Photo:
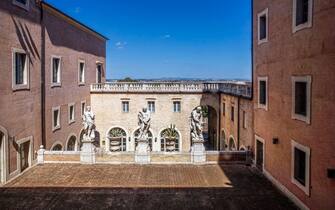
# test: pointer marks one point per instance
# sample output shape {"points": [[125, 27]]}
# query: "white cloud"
{"points": [[120, 45], [167, 36]]}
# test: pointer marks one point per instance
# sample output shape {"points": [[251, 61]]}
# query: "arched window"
{"points": [[117, 139], [150, 137], [71, 144], [231, 145], [57, 147], [169, 143]]}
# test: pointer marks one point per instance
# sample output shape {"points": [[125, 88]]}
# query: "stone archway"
{"points": [[231, 144], [71, 144], [210, 128]]}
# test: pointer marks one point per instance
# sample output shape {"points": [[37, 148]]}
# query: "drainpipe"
{"points": [[42, 76]]}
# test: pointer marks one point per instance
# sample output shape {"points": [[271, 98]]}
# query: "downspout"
{"points": [[42, 76]]}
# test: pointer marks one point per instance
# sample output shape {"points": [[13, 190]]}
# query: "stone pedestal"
{"points": [[142, 153], [198, 152], [40, 155], [87, 152]]}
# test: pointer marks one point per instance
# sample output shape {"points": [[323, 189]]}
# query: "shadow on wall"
{"points": [[66, 35]]}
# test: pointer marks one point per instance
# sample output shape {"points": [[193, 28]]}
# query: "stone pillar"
{"points": [[142, 152], [87, 152], [198, 152], [40, 155]]}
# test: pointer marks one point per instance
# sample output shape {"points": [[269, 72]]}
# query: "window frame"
{"points": [[232, 113], [79, 72], [82, 110], [308, 24], [174, 104], [23, 6], [307, 150], [308, 80], [58, 126], [69, 113], [122, 106], [25, 86], [98, 63], [263, 106], [244, 118], [154, 106], [265, 13], [223, 108], [56, 84]]}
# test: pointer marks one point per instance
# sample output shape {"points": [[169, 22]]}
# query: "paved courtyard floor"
{"points": [[74, 186]]}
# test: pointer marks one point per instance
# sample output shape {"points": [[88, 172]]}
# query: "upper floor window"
{"points": [[81, 72], [71, 113], [176, 106], [232, 113], [125, 106], [22, 3], [151, 106], [55, 118], [302, 14], [83, 107], [56, 71], [301, 90], [300, 166], [263, 93], [20, 69], [224, 109], [99, 73], [244, 118], [263, 26]]}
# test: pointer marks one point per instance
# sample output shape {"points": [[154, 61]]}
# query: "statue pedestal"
{"points": [[87, 152], [142, 153], [198, 152]]}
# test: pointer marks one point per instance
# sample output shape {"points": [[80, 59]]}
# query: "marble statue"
{"points": [[144, 118], [196, 125], [88, 122]]}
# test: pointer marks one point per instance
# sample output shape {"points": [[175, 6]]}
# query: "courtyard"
{"points": [[66, 186]]}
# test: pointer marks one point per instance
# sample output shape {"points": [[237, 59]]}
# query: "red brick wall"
{"points": [[307, 52]]}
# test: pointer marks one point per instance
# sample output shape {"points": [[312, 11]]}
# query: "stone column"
{"points": [[40, 155], [198, 152], [142, 152], [87, 152]]}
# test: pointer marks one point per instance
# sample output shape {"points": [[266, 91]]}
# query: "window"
{"points": [[99, 73], [232, 113], [176, 106], [117, 140], [56, 71], [263, 26], [300, 166], [22, 3], [55, 118], [224, 109], [262, 93], [81, 72], [151, 106], [125, 106], [71, 113], [20, 69], [302, 14], [83, 106], [301, 88], [169, 144], [244, 118]]}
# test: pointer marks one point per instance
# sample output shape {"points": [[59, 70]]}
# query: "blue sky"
{"points": [[170, 38]]}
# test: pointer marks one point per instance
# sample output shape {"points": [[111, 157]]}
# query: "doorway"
{"points": [[259, 154], [24, 155]]}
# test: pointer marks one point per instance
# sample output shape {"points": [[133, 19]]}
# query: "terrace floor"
{"points": [[74, 186]]}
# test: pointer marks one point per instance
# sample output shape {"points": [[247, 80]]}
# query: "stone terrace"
{"points": [[64, 186]]}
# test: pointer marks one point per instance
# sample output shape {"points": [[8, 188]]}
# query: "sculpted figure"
{"points": [[196, 125], [88, 122], [144, 118]]}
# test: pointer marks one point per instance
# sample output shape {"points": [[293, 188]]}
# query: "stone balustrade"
{"points": [[236, 88]]}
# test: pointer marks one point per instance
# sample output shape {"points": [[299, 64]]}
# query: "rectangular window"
{"points": [[232, 113], [20, 69], [301, 87], [302, 14], [244, 118], [55, 118], [224, 109], [263, 26], [56, 70], [83, 106], [99, 73], [151, 106], [176, 106], [71, 113], [22, 3], [125, 106], [81, 72], [262, 92], [300, 166]]}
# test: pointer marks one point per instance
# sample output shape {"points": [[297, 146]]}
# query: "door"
{"points": [[259, 154], [24, 155]]}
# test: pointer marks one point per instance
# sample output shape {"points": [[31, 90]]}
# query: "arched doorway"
{"points": [[71, 144], [210, 127], [169, 146], [150, 138], [231, 144], [117, 140]]}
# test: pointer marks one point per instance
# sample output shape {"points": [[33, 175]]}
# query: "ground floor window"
{"points": [[231, 144], [57, 147], [71, 144], [117, 140], [169, 140]]}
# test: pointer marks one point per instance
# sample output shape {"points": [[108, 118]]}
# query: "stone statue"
{"points": [[88, 122], [196, 125], [144, 118]]}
